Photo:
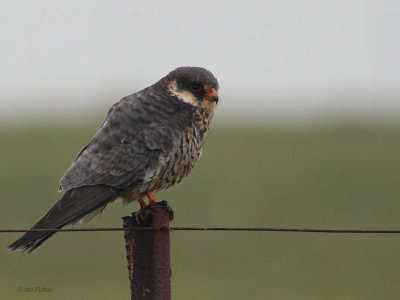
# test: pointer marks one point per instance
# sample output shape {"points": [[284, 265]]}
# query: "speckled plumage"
{"points": [[145, 140], [149, 141]]}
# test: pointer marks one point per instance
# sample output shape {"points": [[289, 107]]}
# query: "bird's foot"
{"points": [[151, 198], [144, 213]]}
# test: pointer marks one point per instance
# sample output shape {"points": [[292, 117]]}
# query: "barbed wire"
{"points": [[247, 229]]}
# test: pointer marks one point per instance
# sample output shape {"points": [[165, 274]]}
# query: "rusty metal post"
{"points": [[148, 253]]}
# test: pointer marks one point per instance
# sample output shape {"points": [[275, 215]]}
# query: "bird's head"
{"points": [[194, 85]]}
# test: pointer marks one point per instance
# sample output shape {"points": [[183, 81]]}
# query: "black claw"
{"points": [[144, 214]]}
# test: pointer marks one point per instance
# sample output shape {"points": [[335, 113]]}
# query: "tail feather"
{"points": [[72, 207]]}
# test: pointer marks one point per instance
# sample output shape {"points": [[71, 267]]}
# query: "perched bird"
{"points": [[149, 141]]}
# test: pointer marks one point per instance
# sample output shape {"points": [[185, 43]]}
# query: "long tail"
{"points": [[72, 207]]}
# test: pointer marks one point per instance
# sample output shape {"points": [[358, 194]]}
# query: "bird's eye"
{"points": [[195, 87]]}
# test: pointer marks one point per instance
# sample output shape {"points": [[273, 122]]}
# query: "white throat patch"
{"points": [[185, 96]]}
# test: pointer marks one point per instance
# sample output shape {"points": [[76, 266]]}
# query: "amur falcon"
{"points": [[149, 141]]}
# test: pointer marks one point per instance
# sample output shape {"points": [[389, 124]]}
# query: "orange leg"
{"points": [[151, 198], [142, 203]]}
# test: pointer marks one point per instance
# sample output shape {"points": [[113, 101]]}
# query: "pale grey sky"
{"points": [[279, 61]]}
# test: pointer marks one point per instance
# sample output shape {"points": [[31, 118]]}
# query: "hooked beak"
{"points": [[212, 95]]}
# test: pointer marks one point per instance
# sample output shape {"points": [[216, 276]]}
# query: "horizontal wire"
{"points": [[254, 229]]}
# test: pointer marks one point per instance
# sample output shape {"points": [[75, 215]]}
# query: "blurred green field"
{"points": [[328, 178]]}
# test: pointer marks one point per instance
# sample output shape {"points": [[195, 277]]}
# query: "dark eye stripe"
{"points": [[195, 87]]}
